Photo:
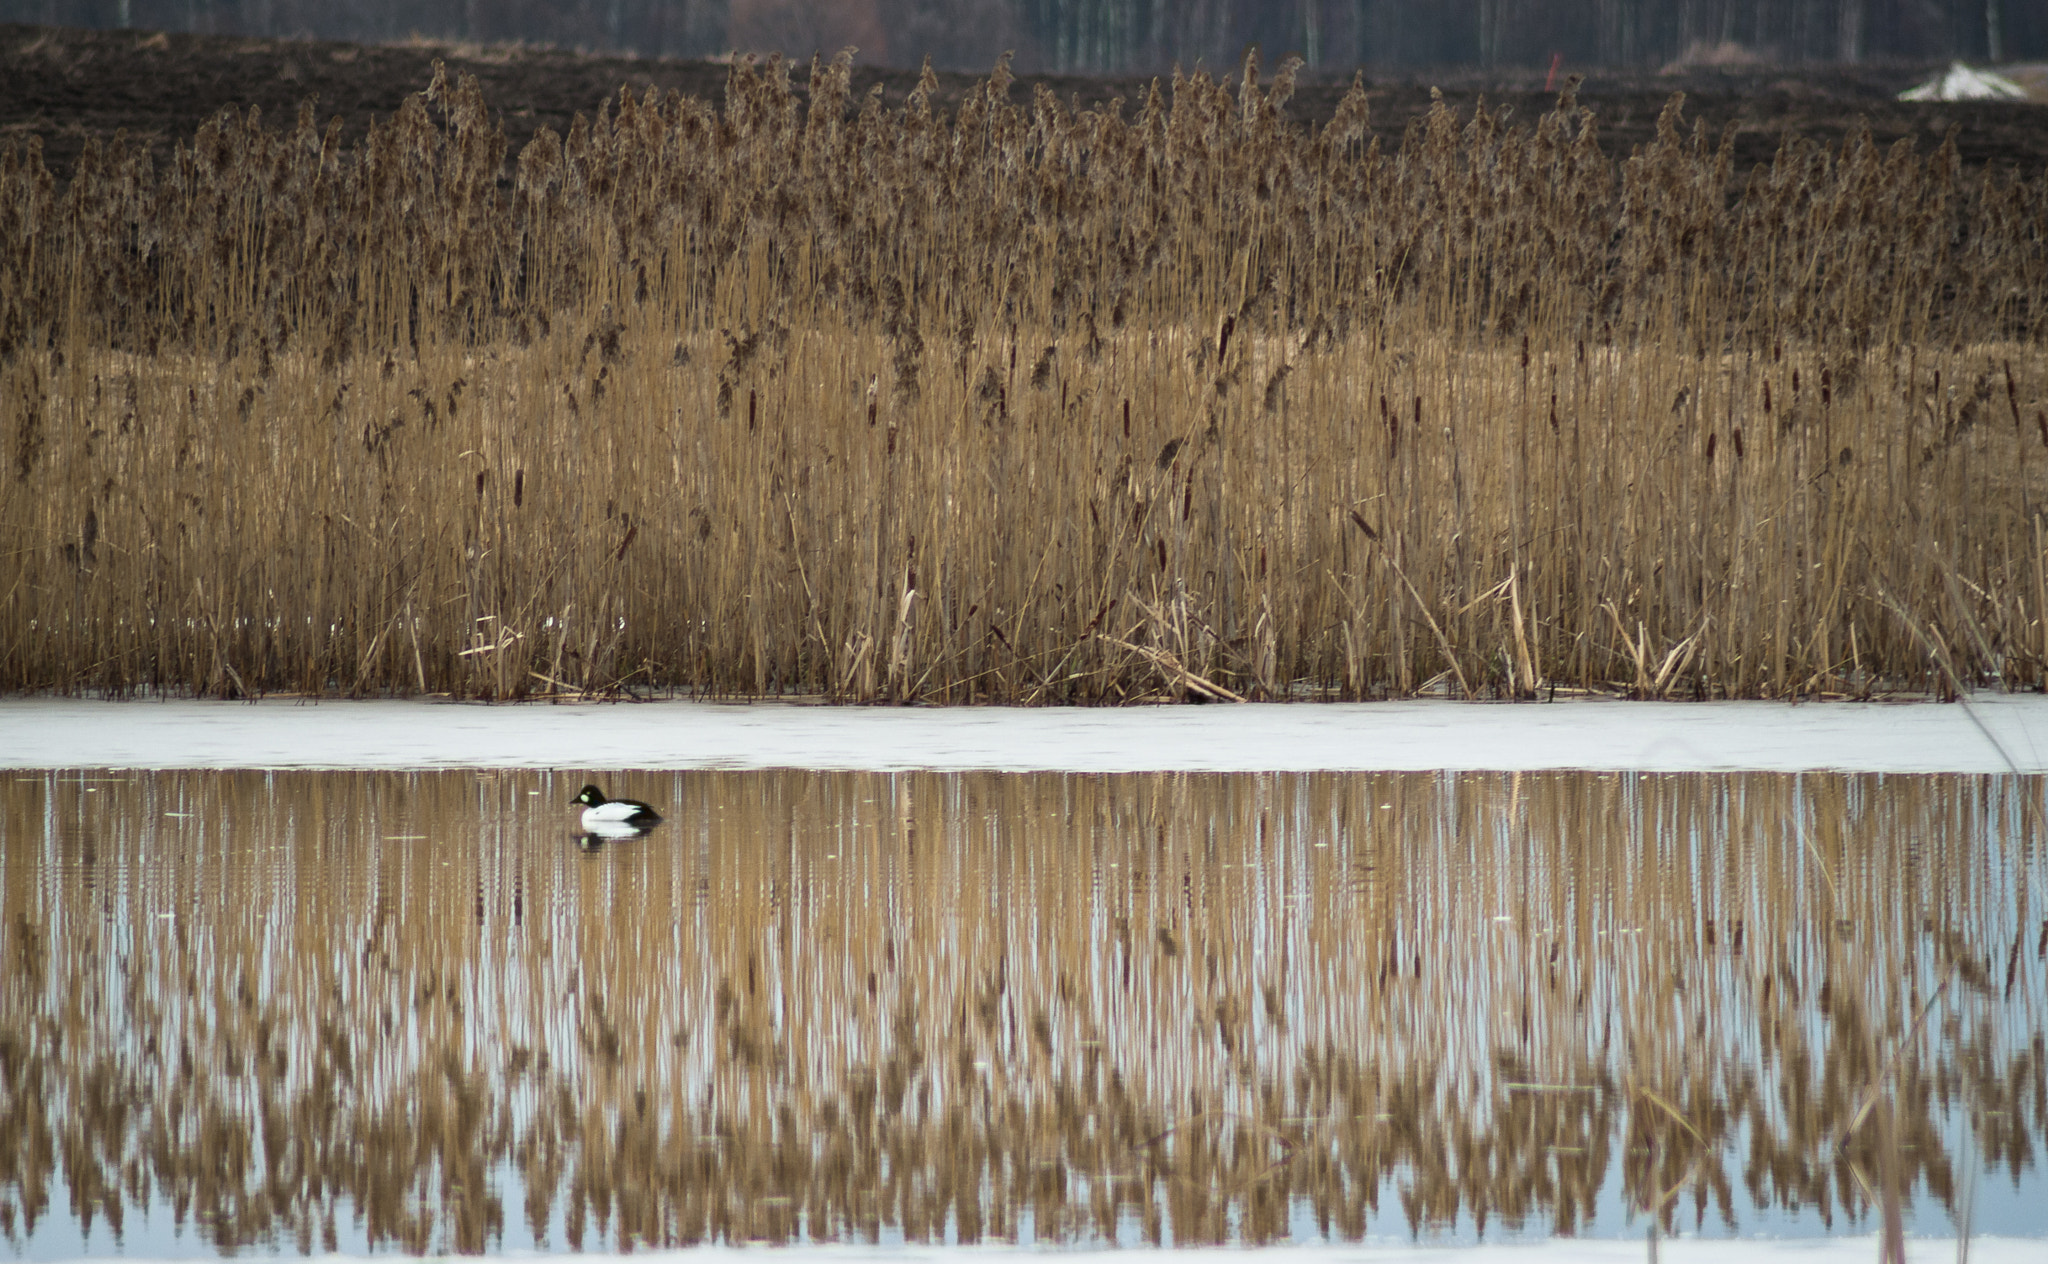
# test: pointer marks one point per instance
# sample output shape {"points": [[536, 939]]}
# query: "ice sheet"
{"points": [[1991, 733], [1846, 1250]]}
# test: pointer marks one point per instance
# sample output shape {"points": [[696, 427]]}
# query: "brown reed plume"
{"points": [[1027, 404]]}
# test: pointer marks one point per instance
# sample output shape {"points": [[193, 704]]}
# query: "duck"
{"points": [[603, 815]]}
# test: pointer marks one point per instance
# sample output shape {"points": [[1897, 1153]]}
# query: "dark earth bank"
{"points": [[64, 86]]}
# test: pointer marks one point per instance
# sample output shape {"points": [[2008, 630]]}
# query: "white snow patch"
{"points": [[1961, 83], [1990, 734]]}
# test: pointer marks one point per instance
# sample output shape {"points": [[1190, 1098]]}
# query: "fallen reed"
{"points": [[357, 1010], [1026, 404]]}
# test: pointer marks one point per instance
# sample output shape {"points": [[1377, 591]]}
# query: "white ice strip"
{"points": [[1860, 1250], [1992, 733], [1856, 1250], [1845, 1250]]}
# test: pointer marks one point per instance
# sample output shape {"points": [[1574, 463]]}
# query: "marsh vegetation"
{"points": [[1165, 398]]}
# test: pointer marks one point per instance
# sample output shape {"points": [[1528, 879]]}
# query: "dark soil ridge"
{"points": [[65, 86]]}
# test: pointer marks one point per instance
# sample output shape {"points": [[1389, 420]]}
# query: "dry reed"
{"points": [[1186, 1008], [1027, 404]]}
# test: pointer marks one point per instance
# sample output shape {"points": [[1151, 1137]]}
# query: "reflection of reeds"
{"points": [[1196, 1007], [1021, 404]]}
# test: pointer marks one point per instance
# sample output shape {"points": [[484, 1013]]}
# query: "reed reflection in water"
{"points": [[410, 1009]]}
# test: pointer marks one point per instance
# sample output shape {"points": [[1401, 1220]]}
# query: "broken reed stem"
{"points": [[704, 395]]}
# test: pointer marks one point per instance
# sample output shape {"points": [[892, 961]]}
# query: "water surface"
{"points": [[308, 1011]]}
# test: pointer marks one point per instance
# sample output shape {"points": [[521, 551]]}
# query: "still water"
{"points": [[373, 1010]]}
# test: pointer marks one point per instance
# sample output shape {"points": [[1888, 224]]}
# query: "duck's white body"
{"points": [[616, 811], [611, 816]]}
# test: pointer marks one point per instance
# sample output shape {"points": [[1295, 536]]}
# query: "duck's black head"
{"points": [[591, 797]]}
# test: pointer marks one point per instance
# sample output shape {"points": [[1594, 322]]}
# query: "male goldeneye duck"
{"points": [[611, 815]]}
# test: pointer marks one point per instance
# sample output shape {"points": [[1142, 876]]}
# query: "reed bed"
{"points": [[1027, 404], [406, 1010]]}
